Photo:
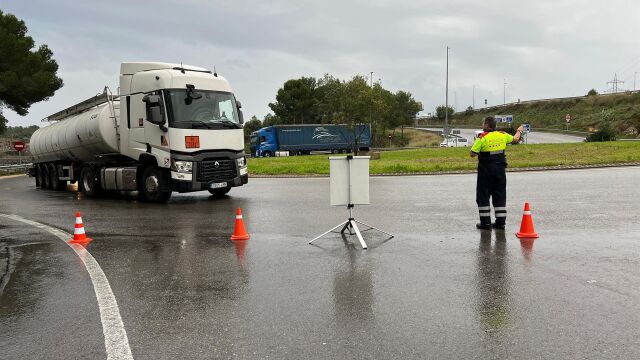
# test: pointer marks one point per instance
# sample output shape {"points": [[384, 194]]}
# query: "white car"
{"points": [[455, 142]]}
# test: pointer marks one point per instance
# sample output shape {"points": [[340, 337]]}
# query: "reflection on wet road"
{"points": [[439, 289], [493, 283]]}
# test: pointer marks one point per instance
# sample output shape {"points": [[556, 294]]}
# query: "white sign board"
{"points": [[504, 118], [349, 180], [527, 128]]}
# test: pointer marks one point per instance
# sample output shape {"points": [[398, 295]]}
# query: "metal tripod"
{"points": [[352, 226]]}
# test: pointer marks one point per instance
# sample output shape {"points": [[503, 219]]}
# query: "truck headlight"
{"points": [[181, 166], [242, 162]]}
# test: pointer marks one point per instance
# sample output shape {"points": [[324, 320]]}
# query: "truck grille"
{"points": [[209, 171]]}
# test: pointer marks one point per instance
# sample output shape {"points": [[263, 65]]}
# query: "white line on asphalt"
{"points": [[115, 336]]}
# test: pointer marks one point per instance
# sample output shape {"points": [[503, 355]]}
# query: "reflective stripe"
{"points": [[500, 208], [486, 208], [485, 215], [238, 217], [496, 152], [501, 215], [527, 213], [79, 231]]}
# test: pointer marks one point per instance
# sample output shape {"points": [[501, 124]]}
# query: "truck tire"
{"points": [[156, 185], [39, 177], [267, 154], [219, 192], [55, 182], [89, 183]]}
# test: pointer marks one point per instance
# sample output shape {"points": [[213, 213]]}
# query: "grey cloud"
{"points": [[544, 48]]}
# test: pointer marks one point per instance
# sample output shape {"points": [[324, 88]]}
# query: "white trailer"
{"points": [[171, 128]]}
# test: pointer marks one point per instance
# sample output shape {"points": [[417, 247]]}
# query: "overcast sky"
{"points": [[543, 48]]}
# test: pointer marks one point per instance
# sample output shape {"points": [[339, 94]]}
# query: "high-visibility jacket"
{"points": [[491, 143]]}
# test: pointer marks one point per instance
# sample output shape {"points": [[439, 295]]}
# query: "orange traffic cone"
{"points": [[79, 236], [239, 233], [526, 227]]}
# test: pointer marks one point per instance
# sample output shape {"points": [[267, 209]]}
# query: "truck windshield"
{"points": [[204, 109]]}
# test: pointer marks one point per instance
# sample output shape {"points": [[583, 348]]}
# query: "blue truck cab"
{"points": [[302, 139]]}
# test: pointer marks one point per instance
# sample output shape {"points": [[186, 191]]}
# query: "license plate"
{"points": [[217, 185]]}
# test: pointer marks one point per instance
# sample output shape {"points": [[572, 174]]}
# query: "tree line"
{"points": [[329, 100], [27, 75]]}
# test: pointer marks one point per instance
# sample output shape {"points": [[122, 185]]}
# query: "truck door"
{"points": [[156, 138], [137, 115]]}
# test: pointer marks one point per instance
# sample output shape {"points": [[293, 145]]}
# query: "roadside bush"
{"points": [[606, 132], [602, 135]]}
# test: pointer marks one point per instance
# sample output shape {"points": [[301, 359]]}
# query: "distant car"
{"points": [[455, 142]]}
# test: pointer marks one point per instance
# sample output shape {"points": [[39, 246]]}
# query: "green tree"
{"points": [[296, 102], [441, 112], [20, 133], [469, 111], [27, 76], [328, 94], [252, 125], [592, 92], [270, 120], [606, 131]]}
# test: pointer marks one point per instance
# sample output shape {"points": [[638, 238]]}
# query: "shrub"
{"points": [[606, 131]]}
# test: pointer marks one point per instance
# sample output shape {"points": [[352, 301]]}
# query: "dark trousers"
{"points": [[492, 184]]}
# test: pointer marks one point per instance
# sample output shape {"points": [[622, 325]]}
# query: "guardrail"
{"points": [[4, 169]]}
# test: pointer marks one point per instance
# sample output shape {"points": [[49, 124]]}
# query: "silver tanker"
{"points": [[172, 128]]}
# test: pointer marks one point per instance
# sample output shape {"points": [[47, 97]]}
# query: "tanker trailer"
{"points": [[172, 128]]}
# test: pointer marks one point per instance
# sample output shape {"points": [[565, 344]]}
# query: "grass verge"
{"points": [[456, 159]]}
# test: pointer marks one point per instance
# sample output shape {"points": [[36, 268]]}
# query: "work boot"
{"points": [[497, 226], [482, 226]]}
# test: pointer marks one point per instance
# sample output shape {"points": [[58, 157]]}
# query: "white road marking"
{"points": [[115, 336]]}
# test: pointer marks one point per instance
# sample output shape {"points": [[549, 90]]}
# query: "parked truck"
{"points": [[303, 139], [171, 128]]}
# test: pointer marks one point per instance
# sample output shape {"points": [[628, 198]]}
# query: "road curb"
{"points": [[526, 169]]}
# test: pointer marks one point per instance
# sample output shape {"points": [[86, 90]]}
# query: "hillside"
{"points": [[587, 113]]}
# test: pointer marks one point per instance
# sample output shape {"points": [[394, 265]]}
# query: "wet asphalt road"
{"points": [[439, 289]]}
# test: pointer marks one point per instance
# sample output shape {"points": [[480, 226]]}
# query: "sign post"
{"points": [[19, 147], [504, 118]]}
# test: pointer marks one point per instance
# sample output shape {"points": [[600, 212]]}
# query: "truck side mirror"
{"points": [[238, 104], [240, 116], [154, 110]]}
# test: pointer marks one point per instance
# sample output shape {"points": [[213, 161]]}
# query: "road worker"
{"points": [[492, 180]]}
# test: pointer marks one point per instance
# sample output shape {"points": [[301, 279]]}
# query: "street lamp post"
{"points": [[474, 98], [504, 92], [371, 103], [446, 100]]}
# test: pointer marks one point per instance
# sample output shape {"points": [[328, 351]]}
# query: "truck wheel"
{"points": [[46, 180], [53, 177], [156, 185], [39, 177], [219, 192], [56, 183], [89, 184], [267, 154]]}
